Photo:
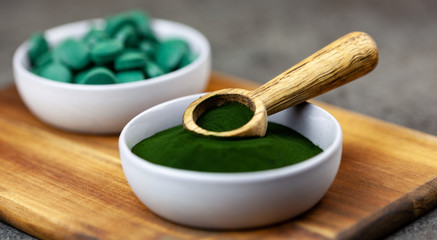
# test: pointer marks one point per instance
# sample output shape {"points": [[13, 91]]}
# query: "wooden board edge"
{"points": [[399, 214]]}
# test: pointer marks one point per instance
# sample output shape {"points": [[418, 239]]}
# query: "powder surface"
{"points": [[180, 148], [226, 117]]}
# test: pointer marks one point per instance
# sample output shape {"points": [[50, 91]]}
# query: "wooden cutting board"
{"points": [[56, 184]]}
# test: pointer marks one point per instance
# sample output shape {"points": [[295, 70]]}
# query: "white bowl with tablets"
{"points": [[102, 107]]}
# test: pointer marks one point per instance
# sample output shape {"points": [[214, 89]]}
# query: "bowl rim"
{"points": [[241, 177], [203, 55]]}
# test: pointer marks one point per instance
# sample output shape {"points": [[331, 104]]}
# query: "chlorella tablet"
{"points": [[73, 53], [94, 36], [98, 75], [115, 22], [43, 59], [153, 70], [130, 60], [56, 71], [141, 21], [127, 35], [124, 49], [37, 46], [106, 51], [187, 59], [129, 76], [148, 47], [170, 53]]}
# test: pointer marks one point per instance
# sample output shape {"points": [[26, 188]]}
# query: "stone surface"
{"points": [[257, 40]]}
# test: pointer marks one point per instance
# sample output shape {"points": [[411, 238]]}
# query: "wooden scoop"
{"points": [[342, 61]]}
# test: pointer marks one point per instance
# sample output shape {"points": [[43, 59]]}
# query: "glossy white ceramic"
{"points": [[232, 200], [105, 109]]}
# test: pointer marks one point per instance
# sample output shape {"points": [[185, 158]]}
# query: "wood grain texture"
{"points": [[61, 185], [340, 62]]}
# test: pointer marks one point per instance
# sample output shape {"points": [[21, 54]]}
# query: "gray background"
{"points": [[257, 40]]}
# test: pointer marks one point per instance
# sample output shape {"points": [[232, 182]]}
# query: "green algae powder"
{"points": [[182, 149], [227, 117]]}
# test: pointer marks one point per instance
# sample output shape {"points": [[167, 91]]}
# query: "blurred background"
{"points": [[256, 40]]}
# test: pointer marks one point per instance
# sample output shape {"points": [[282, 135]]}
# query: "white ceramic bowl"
{"points": [[232, 200], [105, 109]]}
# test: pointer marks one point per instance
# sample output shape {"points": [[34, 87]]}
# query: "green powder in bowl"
{"points": [[178, 148]]}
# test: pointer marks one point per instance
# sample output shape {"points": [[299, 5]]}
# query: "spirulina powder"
{"points": [[180, 148], [227, 117]]}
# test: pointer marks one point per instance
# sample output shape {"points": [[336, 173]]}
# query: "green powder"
{"points": [[228, 116], [180, 148]]}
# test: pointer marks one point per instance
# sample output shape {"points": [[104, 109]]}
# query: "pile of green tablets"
{"points": [[125, 50]]}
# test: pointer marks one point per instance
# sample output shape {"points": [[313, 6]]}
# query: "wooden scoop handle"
{"points": [[342, 61]]}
